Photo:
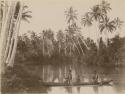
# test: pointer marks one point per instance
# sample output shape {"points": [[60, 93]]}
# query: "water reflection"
{"points": [[68, 90], [78, 89], [95, 89], [84, 90], [57, 74]]}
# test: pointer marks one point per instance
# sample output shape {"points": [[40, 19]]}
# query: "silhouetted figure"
{"points": [[95, 88], [68, 90], [78, 89], [69, 77], [78, 79], [66, 80], [95, 77]]}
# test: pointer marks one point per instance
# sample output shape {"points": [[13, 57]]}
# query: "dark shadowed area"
{"points": [[67, 61]]}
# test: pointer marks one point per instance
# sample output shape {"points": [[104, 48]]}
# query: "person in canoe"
{"points": [[95, 77], [65, 79], [78, 79], [69, 78]]}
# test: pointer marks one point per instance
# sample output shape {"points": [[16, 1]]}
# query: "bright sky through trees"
{"points": [[49, 14]]}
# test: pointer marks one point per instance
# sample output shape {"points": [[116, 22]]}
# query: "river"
{"points": [[51, 73], [56, 73]]}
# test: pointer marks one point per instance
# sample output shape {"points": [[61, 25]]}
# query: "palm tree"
{"points": [[10, 31], [107, 24], [26, 14], [1, 14], [72, 32], [71, 15], [105, 7], [23, 15], [48, 39], [60, 39], [87, 20], [99, 14], [118, 22]]}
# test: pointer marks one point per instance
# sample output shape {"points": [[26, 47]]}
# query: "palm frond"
{"points": [[118, 22], [105, 6], [76, 45], [71, 15], [25, 7], [107, 24], [26, 14], [87, 20], [25, 19]]}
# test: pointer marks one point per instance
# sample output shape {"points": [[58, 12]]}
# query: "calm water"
{"points": [[57, 73], [86, 90], [83, 90]]}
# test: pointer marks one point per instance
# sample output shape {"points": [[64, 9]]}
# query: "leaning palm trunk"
{"points": [[80, 46], [16, 32], [43, 45], [3, 35], [9, 36], [9, 33]]}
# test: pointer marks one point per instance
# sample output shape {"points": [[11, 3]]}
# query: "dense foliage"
{"points": [[65, 47], [31, 48]]}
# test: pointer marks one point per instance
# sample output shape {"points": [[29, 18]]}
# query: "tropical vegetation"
{"points": [[31, 50]]}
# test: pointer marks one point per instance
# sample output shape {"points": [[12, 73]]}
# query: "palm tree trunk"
{"points": [[15, 34], [70, 50], [59, 47], [43, 45], [84, 43], [10, 36], [80, 46], [4, 34], [76, 46], [65, 47], [10, 50]]}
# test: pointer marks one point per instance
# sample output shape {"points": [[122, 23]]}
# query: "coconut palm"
{"points": [[108, 25], [97, 13], [118, 22], [23, 15], [72, 32], [1, 14], [105, 7], [10, 30], [87, 20], [48, 38], [26, 14], [60, 39], [71, 15]]}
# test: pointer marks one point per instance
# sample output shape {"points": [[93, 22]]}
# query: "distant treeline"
{"points": [[47, 49], [33, 51], [65, 47]]}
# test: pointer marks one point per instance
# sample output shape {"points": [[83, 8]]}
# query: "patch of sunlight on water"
{"points": [[83, 90], [57, 90]]}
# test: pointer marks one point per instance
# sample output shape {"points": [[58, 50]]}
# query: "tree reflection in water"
{"points": [[78, 89], [95, 89], [84, 90], [68, 89]]}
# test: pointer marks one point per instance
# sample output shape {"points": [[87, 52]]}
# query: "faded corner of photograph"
{"points": [[62, 47]]}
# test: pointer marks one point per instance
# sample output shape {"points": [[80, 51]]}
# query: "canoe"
{"points": [[53, 84]]}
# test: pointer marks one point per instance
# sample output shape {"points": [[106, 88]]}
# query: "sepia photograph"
{"points": [[62, 47]]}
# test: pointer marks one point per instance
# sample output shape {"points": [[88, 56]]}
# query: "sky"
{"points": [[49, 14]]}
